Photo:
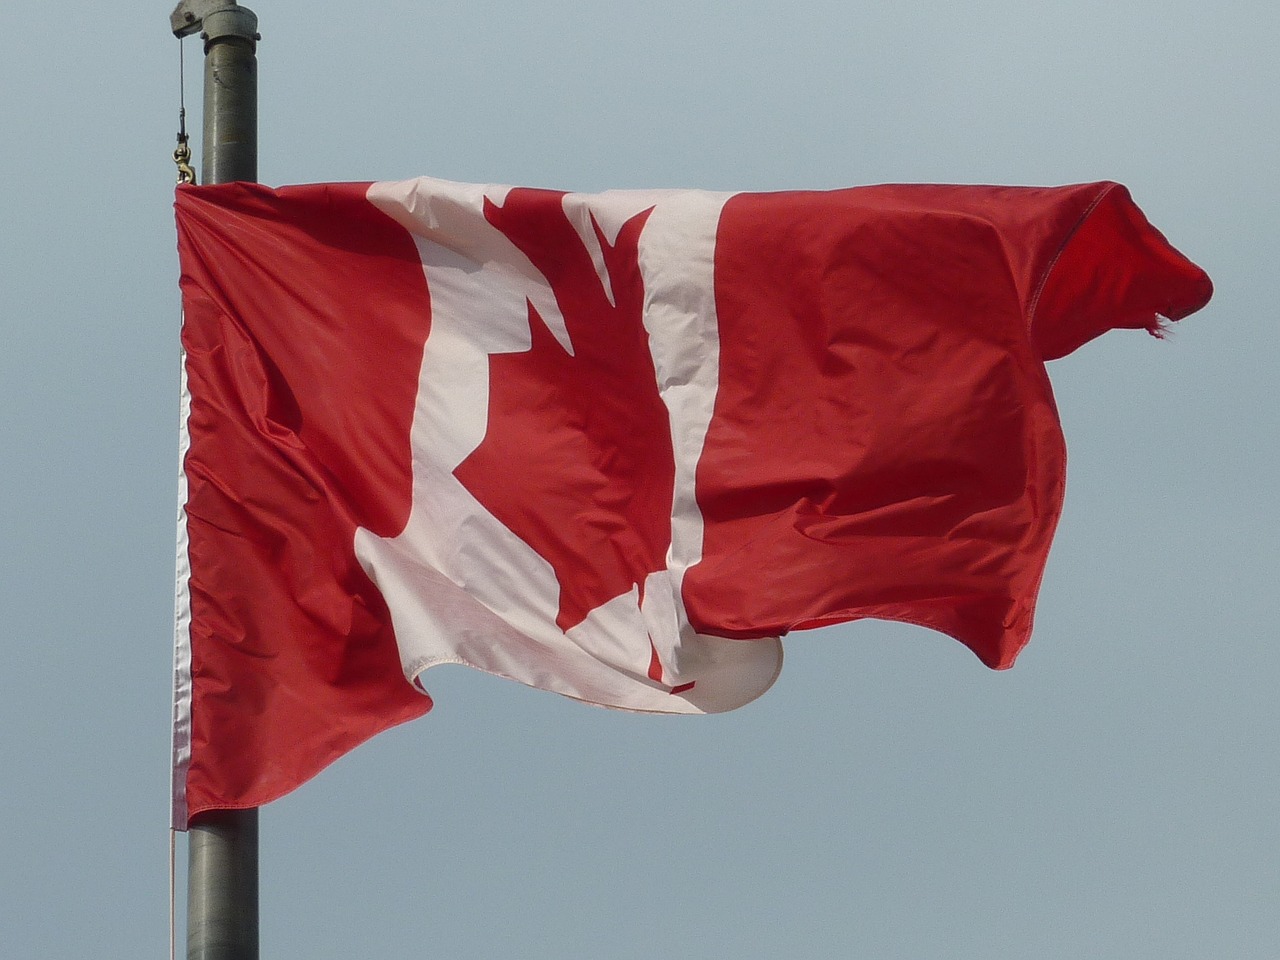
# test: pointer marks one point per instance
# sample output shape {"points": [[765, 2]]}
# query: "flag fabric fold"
{"points": [[610, 445]]}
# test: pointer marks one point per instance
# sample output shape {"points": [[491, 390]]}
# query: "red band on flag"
{"points": [[294, 659]]}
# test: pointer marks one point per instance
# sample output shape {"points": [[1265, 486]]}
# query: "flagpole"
{"points": [[222, 845]]}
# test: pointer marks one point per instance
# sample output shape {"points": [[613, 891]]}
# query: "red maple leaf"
{"points": [[577, 457]]}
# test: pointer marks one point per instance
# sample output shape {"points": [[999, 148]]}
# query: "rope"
{"points": [[173, 921], [186, 174], [182, 155]]}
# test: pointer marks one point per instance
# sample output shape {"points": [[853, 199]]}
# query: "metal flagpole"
{"points": [[222, 845]]}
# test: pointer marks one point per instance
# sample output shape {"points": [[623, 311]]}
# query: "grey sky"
{"points": [[1114, 795]]}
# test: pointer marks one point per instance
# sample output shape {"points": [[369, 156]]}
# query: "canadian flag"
{"points": [[611, 445]]}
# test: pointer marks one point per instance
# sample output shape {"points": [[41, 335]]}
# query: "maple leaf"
{"points": [[577, 457]]}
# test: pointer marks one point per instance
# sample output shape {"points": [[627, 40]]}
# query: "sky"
{"points": [[1113, 795]]}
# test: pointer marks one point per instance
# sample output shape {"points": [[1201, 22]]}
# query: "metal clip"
{"points": [[182, 157]]}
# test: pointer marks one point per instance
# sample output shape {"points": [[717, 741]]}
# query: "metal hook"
{"points": [[182, 157]]}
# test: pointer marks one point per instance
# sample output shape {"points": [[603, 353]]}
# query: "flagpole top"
{"points": [[213, 20]]}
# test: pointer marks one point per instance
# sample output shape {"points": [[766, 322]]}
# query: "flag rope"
{"points": [[173, 842], [182, 153]]}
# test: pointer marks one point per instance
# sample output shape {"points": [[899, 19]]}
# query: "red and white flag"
{"points": [[610, 445]]}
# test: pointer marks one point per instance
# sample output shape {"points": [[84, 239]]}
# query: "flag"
{"points": [[612, 445]]}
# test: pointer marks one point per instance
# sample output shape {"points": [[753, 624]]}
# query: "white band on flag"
{"points": [[181, 742]]}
